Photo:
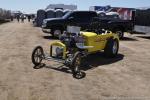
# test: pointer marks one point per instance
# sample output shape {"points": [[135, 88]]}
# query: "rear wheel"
{"points": [[37, 55], [111, 49]]}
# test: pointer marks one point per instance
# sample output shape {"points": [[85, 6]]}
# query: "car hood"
{"points": [[88, 34]]}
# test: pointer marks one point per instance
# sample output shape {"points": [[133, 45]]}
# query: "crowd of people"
{"points": [[22, 17]]}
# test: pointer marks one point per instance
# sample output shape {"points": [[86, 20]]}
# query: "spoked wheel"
{"points": [[76, 65], [79, 75], [37, 55]]}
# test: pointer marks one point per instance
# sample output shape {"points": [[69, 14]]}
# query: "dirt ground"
{"points": [[126, 77]]}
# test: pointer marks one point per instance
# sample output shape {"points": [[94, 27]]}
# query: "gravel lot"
{"points": [[126, 77]]}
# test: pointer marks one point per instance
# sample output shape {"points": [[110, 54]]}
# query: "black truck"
{"points": [[86, 20]]}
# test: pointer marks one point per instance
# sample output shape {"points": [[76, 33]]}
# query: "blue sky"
{"points": [[29, 6]]}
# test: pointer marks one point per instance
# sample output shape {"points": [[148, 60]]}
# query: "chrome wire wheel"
{"points": [[37, 55], [77, 64]]}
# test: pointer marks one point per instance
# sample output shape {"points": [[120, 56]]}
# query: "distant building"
{"points": [[61, 6]]}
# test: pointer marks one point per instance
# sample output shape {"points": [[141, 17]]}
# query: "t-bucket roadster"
{"points": [[74, 45]]}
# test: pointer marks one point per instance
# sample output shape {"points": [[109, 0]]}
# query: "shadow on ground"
{"points": [[98, 59], [128, 39], [145, 37], [91, 62], [61, 68], [50, 38]]}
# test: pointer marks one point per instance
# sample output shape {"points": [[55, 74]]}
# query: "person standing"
{"points": [[18, 18], [29, 18], [12, 18], [22, 18]]}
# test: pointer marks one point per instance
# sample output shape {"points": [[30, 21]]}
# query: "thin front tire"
{"points": [[37, 55]]}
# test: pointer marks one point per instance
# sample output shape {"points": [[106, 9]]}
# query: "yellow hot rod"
{"points": [[75, 45]]}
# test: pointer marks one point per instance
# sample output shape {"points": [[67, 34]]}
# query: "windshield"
{"points": [[67, 15]]}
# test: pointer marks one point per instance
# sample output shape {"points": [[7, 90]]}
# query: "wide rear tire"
{"points": [[112, 47]]}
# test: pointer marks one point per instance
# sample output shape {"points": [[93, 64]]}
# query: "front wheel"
{"points": [[76, 66], [37, 55], [76, 62]]}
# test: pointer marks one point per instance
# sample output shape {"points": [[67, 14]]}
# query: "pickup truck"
{"points": [[84, 19]]}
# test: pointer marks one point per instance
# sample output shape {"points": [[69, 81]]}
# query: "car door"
{"points": [[86, 19], [70, 20], [97, 41], [100, 40], [81, 19]]}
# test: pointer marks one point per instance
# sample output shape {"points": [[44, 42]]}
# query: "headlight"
{"points": [[57, 51]]}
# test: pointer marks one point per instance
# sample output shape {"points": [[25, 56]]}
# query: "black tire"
{"points": [[120, 34], [37, 55], [59, 31], [79, 75], [111, 48]]}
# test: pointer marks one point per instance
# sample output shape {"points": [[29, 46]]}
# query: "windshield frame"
{"points": [[67, 15]]}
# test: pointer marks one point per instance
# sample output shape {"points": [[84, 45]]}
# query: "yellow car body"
{"points": [[93, 41], [98, 41], [60, 44]]}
